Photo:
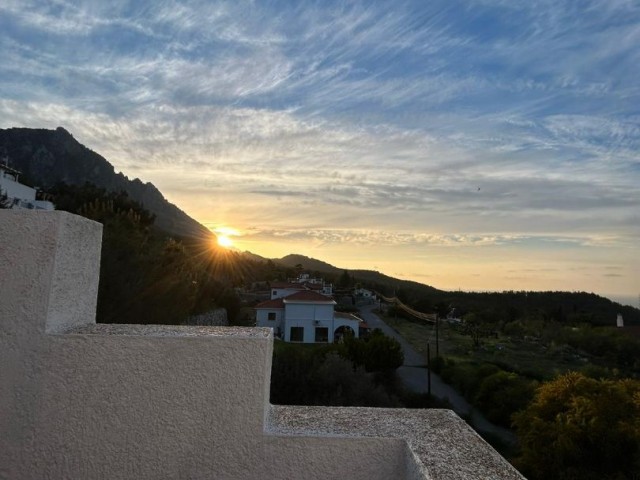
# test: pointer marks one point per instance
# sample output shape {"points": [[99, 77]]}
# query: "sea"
{"points": [[631, 300]]}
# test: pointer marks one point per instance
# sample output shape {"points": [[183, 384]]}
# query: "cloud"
{"points": [[513, 122], [387, 238]]}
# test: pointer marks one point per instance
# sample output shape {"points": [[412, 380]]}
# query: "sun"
{"points": [[225, 241], [225, 235]]}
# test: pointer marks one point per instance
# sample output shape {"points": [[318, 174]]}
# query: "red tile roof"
{"points": [[307, 296], [277, 303], [287, 285]]}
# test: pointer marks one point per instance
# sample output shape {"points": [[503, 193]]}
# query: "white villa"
{"points": [[20, 196], [299, 314]]}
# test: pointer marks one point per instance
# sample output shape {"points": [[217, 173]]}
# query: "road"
{"points": [[414, 376]]}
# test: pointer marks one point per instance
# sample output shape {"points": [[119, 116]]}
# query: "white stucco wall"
{"points": [[308, 316], [309, 332], [81, 400], [308, 311], [277, 325], [311, 325], [262, 317], [343, 322], [15, 189], [284, 292]]}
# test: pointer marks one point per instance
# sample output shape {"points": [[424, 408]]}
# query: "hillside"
{"points": [[569, 307], [46, 157], [310, 264]]}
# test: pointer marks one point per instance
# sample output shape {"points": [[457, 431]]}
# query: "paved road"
{"points": [[414, 376]]}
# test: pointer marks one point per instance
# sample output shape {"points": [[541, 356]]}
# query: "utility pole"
{"points": [[428, 369], [437, 342]]}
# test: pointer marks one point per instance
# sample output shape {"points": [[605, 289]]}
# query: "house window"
{"points": [[322, 334], [297, 334], [271, 316], [274, 293]]}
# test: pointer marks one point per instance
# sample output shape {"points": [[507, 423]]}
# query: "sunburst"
{"points": [[225, 241]]}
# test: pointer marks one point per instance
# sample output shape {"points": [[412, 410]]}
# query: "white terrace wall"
{"points": [[80, 400]]}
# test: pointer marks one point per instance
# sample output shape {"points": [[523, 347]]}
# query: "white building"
{"points": [[284, 289], [19, 196], [305, 316], [364, 293], [303, 282]]}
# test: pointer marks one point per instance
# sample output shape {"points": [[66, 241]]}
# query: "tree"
{"points": [[345, 280], [146, 277], [579, 427], [472, 326], [322, 376], [502, 394], [377, 353]]}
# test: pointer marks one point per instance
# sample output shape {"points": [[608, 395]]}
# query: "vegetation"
{"points": [[376, 353], [498, 307], [550, 379], [581, 428], [496, 392], [356, 372], [147, 276], [303, 375]]}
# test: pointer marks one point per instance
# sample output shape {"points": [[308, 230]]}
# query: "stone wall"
{"points": [[214, 318]]}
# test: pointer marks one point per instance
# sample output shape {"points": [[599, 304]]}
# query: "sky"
{"points": [[474, 145]]}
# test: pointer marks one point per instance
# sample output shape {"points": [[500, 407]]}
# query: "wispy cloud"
{"points": [[513, 122]]}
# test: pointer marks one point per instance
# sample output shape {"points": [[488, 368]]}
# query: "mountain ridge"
{"points": [[427, 298], [46, 157]]}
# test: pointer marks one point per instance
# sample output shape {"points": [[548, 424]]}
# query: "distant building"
{"points": [[305, 316], [303, 283], [18, 195], [620, 321], [364, 293]]}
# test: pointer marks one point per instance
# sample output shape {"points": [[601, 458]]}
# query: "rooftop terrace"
{"points": [[86, 400]]}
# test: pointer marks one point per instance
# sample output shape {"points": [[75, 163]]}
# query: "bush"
{"points": [[579, 427], [310, 375], [502, 394], [375, 353]]}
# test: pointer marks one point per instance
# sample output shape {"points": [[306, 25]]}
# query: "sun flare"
{"points": [[225, 241]]}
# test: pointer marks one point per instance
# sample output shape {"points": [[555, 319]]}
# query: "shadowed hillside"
{"points": [[563, 307], [47, 157]]}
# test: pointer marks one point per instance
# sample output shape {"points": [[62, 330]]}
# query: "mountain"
{"points": [[308, 263], [46, 157], [370, 277]]}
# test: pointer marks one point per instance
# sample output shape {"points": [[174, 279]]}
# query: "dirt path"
{"points": [[414, 375]]}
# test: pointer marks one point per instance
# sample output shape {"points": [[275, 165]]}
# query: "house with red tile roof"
{"points": [[303, 282], [305, 316]]}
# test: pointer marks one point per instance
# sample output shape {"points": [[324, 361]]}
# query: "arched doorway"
{"points": [[342, 332]]}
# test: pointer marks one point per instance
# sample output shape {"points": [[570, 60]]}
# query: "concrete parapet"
{"points": [[96, 401], [440, 445]]}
